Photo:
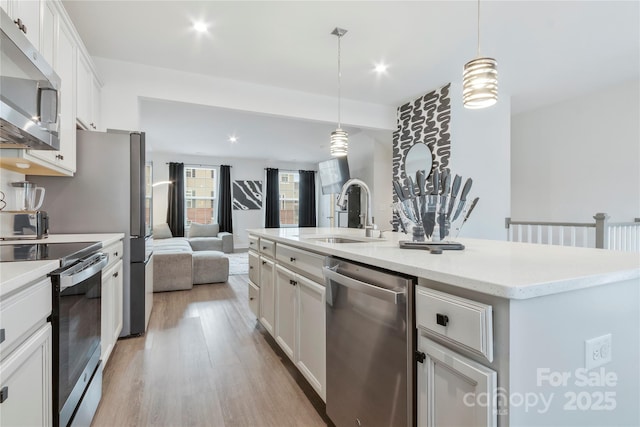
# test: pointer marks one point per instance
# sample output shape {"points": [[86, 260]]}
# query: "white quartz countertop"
{"points": [[14, 275], [504, 269]]}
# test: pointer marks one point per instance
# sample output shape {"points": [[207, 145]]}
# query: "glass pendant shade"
{"points": [[339, 143], [480, 83]]}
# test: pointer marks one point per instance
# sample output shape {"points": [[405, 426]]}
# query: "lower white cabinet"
{"points": [[254, 299], [25, 382], [300, 325], [452, 389], [267, 294], [112, 313], [286, 297], [311, 338]]}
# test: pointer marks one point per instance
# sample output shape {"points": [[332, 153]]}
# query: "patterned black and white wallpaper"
{"points": [[423, 121], [247, 195]]}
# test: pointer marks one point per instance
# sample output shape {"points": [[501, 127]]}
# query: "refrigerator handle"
{"points": [[137, 183]]}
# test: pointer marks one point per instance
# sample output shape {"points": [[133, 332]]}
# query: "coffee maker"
{"points": [[25, 221]]}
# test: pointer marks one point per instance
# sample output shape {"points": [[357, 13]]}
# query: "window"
{"points": [[200, 189], [289, 198]]}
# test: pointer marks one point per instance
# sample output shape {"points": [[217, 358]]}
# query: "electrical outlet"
{"points": [[597, 351]]}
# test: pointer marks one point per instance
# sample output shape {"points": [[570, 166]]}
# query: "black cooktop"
{"points": [[67, 253]]}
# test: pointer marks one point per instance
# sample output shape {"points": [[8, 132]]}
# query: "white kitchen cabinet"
{"points": [[452, 389], [111, 309], [88, 94], [25, 355], [311, 337], [300, 324], [28, 12], [267, 294], [254, 282], [48, 31], [111, 304], [25, 382], [286, 298]]}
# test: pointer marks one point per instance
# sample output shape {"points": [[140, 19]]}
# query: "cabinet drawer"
{"points": [[458, 321], [253, 243], [307, 263], [267, 247], [254, 299], [254, 268], [22, 313], [114, 251]]}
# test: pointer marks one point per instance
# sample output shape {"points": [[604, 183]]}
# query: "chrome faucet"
{"points": [[369, 226]]}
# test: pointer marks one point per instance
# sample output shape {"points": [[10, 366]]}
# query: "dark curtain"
{"points": [[175, 210], [272, 200], [224, 204], [307, 203]]}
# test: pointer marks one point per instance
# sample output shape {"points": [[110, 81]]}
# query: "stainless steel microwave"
{"points": [[29, 93]]}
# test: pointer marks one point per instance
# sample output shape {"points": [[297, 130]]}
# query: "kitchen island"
{"points": [[535, 334]]}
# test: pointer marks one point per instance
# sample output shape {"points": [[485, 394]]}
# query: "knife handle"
{"points": [[473, 205], [436, 182]]}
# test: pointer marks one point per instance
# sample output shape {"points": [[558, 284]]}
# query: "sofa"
{"points": [[201, 237], [179, 263]]}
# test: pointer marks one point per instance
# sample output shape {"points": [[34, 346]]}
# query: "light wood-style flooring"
{"points": [[205, 361]]}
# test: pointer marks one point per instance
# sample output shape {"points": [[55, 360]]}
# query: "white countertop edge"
{"points": [[106, 239], [519, 291], [21, 274]]}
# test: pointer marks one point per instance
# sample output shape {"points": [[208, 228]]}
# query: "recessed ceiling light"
{"points": [[200, 27], [381, 68], [23, 165], [233, 139]]}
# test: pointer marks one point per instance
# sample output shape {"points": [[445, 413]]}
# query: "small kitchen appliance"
{"points": [[16, 225], [26, 195]]}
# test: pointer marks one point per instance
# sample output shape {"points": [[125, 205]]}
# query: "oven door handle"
{"points": [[360, 286], [83, 270]]}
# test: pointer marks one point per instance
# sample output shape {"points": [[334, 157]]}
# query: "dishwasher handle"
{"points": [[360, 286]]}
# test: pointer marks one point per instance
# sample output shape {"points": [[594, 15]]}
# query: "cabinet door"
{"points": [[48, 31], [286, 285], [84, 85], [95, 104], [254, 268], [25, 376], [311, 338], [267, 294], [453, 390], [107, 307], [254, 299], [28, 11], [117, 313]]}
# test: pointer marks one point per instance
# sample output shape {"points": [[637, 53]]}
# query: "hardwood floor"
{"points": [[205, 361]]}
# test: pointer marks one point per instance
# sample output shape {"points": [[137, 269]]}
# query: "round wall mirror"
{"points": [[418, 158]]}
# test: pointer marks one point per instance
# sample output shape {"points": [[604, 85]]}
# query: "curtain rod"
{"points": [[195, 164]]}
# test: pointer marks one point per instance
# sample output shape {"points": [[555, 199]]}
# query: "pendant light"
{"points": [[480, 79], [339, 137]]}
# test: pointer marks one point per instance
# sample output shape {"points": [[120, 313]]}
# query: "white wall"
{"points": [[575, 158], [242, 169], [480, 149], [125, 83]]}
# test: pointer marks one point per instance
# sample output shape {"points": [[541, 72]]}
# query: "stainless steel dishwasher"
{"points": [[370, 378]]}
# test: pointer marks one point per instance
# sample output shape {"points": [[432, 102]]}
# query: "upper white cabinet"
{"points": [[88, 95], [26, 15]]}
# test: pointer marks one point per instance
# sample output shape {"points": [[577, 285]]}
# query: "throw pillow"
{"points": [[204, 230], [162, 231]]}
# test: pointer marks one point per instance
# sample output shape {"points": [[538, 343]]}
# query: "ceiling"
{"points": [[547, 51]]}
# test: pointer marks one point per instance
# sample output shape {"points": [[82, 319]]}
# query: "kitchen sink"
{"points": [[341, 239], [335, 240]]}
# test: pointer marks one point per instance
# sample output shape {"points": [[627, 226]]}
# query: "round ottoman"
{"points": [[210, 267]]}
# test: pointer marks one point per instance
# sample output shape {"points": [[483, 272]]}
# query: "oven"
{"points": [[75, 321], [77, 371]]}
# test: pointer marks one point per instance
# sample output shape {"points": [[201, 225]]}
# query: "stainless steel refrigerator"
{"points": [[110, 193]]}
